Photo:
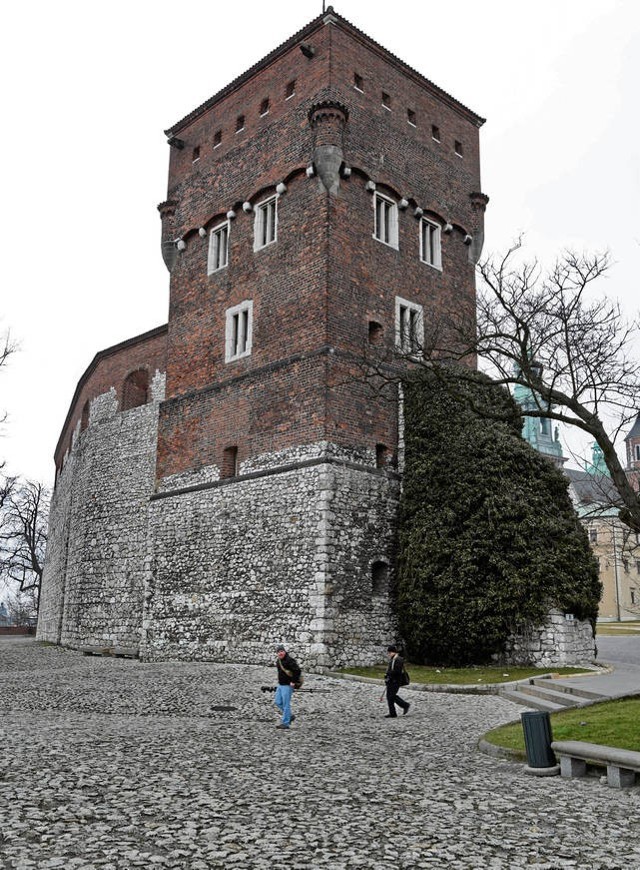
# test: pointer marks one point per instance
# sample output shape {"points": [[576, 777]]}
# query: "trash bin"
{"points": [[537, 740]]}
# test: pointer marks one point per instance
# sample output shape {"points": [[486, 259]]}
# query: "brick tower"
{"points": [[325, 201]]}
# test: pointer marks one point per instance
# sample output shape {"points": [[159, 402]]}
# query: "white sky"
{"points": [[88, 91]]}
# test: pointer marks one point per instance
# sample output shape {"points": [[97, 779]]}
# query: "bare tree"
{"points": [[575, 354], [24, 515]]}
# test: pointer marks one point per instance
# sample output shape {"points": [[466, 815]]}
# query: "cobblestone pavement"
{"points": [[113, 764]]}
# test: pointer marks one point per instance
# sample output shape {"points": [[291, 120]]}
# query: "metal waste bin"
{"points": [[537, 739]]}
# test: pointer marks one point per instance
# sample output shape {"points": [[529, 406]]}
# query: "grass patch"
{"points": [[617, 628], [461, 676], [611, 723]]}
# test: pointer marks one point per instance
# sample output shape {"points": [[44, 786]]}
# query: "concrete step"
{"points": [[531, 701], [557, 686], [562, 699]]}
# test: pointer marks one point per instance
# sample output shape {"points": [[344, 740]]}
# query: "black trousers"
{"points": [[393, 699]]}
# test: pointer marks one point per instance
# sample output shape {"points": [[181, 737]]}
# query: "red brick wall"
{"points": [[109, 369], [326, 277]]}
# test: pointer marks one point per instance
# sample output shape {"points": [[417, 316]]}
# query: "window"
{"points": [[409, 326], [358, 83], [380, 578], [84, 419], [637, 566], [633, 595], [217, 138], [239, 330], [218, 248], [382, 456], [625, 565], [430, 243], [593, 536], [290, 89], [458, 148], [411, 117], [637, 451], [239, 123], [135, 391], [229, 462], [386, 220], [264, 107], [195, 154], [435, 132], [266, 223], [375, 332], [386, 101]]}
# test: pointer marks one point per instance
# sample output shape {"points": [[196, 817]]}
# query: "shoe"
{"points": [[391, 716], [284, 727], [406, 710]]}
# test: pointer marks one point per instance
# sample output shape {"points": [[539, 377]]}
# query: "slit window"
{"points": [[375, 332], [218, 248], [435, 132], [457, 147], [409, 327], [380, 578], [411, 117], [195, 156], [217, 138], [385, 220], [84, 419], [229, 462], [358, 82], [264, 107], [266, 223], [430, 249], [239, 123], [386, 100], [290, 89], [239, 331]]}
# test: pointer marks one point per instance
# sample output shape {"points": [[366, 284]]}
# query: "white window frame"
{"points": [[238, 331], [385, 220], [431, 247], [218, 257], [266, 223], [409, 327]]}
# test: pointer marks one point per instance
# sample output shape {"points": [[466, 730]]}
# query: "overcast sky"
{"points": [[88, 90]]}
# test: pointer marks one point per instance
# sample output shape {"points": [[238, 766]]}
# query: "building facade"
{"points": [[230, 479]]}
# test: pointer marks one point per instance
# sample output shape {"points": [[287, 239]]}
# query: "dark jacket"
{"points": [[292, 666], [394, 670]]}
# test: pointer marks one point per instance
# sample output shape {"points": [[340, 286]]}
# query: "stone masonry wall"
{"points": [[283, 555], [557, 643], [93, 585]]}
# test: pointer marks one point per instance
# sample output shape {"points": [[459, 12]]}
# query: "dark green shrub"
{"points": [[489, 540]]}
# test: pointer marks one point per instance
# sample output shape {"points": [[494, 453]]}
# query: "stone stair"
{"points": [[545, 693]]}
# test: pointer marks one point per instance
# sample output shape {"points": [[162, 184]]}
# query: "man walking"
{"points": [[289, 677], [393, 679]]}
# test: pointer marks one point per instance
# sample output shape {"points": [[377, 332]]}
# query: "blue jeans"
{"points": [[283, 702]]}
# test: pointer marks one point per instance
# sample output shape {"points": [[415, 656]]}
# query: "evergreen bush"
{"points": [[489, 540]]}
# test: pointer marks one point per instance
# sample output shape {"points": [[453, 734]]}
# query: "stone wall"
{"points": [[94, 573], [559, 642], [279, 554]]}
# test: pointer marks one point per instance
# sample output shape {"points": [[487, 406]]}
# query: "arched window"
{"points": [[136, 390], [380, 578]]}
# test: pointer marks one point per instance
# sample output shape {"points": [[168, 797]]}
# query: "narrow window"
{"points": [[84, 420], [266, 223], [218, 248], [217, 138], [637, 567], [435, 132], [290, 89], [386, 100], [239, 331], [625, 565], [430, 250], [637, 449], [382, 456], [409, 327], [633, 595], [358, 83], [195, 156], [386, 220], [239, 123], [380, 578], [458, 148], [593, 536], [264, 107], [411, 117], [375, 332], [229, 462], [135, 391]]}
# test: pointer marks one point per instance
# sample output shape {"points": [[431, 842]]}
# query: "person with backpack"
{"points": [[395, 677], [289, 678]]}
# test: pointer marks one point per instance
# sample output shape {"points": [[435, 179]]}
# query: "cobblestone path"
{"points": [[113, 764]]}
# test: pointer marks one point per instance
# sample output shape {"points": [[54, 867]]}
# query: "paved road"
{"points": [[619, 649], [109, 764]]}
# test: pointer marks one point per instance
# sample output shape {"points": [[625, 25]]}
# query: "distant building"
{"points": [[615, 545]]}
